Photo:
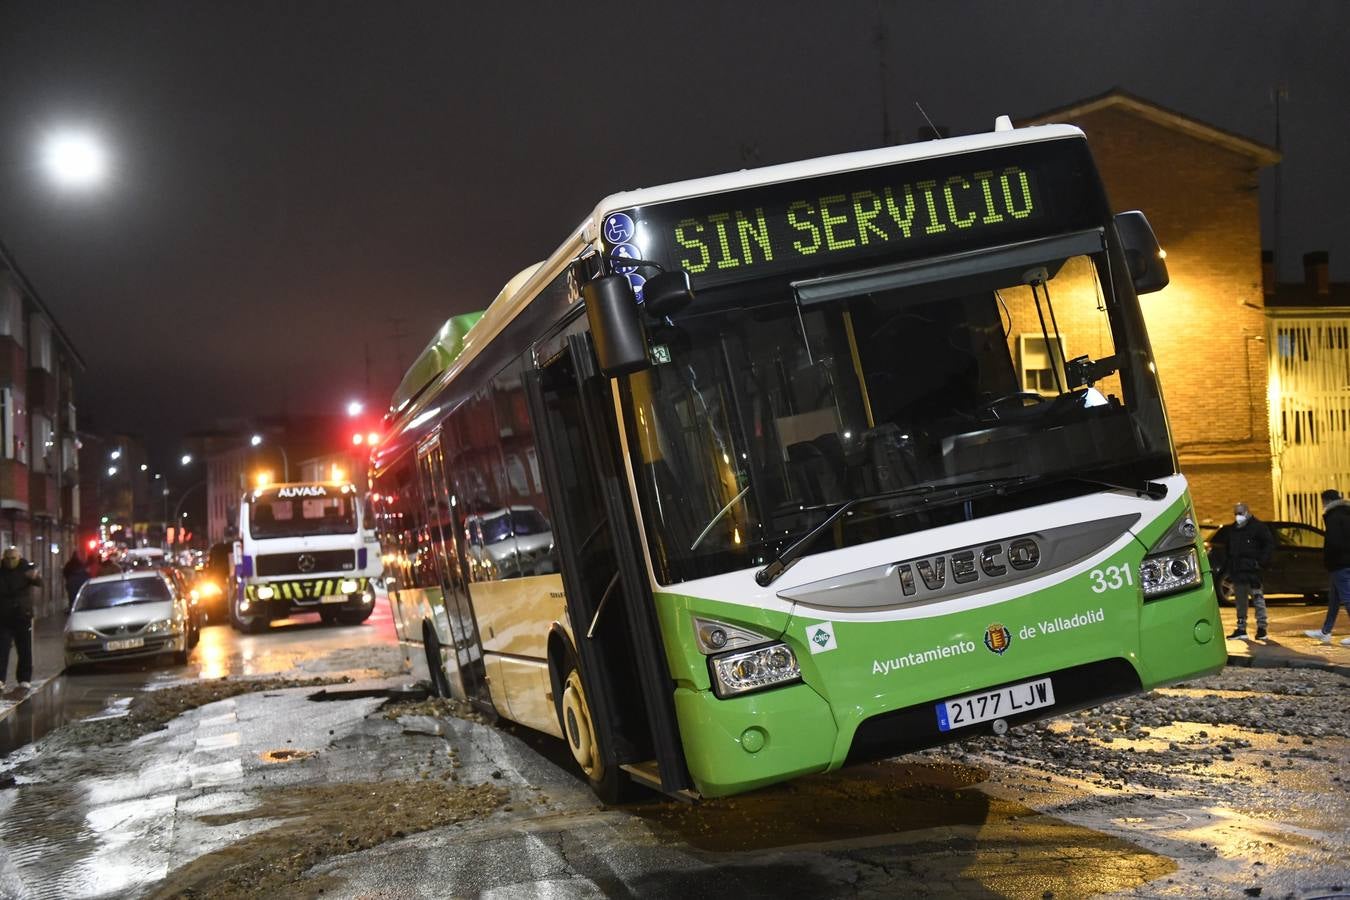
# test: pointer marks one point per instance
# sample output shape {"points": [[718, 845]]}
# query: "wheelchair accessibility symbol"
{"points": [[619, 229]]}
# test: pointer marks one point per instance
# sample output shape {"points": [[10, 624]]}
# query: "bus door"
{"points": [[468, 678], [609, 601]]}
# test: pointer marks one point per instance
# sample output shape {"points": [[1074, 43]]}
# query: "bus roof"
{"points": [[408, 409]]}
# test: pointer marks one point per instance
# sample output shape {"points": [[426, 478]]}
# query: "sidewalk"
{"points": [[1288, 647], [48, 660]]}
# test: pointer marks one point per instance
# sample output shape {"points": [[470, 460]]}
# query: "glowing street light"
{"points": [[255, 440], [354, 408], [74, 159], [112, 470], [116, 454], [187, 458], [144, 467]]}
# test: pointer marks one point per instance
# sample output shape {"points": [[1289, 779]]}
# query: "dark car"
{"points": [[1295, 570]]}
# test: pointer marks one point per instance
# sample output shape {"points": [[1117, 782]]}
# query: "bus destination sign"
{"points": [[944, 205]]}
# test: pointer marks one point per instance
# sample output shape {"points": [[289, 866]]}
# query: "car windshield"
{"points": [[272, 515], [108, 594], [769, 405]]}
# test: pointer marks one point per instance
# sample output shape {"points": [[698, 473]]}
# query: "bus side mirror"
{"points": [[667, 293], [616, 327], [1142, 253]]}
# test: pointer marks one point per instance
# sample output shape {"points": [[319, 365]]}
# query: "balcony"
{"points": [[13, 484]]}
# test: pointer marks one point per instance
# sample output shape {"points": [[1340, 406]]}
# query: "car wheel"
{"points": [[328, 616], [1227, 596]]}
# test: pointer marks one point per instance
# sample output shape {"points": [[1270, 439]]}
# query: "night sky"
{"points": [[300, 184]]}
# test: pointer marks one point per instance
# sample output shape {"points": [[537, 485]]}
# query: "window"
{"points": [[44, 443], [11, 309], [40, 344], [13, 441], [1041, 370]]}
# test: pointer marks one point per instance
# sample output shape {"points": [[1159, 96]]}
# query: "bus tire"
{"points": [[440, 682], [582, 736]]}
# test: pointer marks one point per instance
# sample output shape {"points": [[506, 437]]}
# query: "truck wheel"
{"points": [[353, 616]]}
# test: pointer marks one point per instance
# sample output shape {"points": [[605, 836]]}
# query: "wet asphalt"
{"points": [[1232, 787]]}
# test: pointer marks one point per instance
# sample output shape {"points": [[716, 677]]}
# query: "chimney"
{"points": [[1268, 272], [1315, 272]]}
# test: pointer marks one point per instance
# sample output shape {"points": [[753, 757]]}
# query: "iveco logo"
{"points": [[990, 562], [305, 563]]}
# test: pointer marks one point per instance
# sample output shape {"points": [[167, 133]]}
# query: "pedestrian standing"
{"points": [[1336, 557], [18, 578], [1248, 546], [76, 573]]}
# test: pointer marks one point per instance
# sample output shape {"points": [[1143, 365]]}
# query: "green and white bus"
{"points": [[762, 474]]}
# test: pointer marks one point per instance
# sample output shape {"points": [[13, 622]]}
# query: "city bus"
{"points": [[763, 474], [303, 547]]}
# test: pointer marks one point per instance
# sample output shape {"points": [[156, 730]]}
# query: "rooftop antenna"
{"points": [[936, 133]]}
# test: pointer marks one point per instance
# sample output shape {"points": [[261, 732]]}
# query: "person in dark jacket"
{"points": [[18, 577], [1336, 557], [76, 573], [1247, 545]]}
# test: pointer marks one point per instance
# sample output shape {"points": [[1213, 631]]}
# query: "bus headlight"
{"points": [[1172, 563], [752, 670], [265, 592], [1167, 573]]}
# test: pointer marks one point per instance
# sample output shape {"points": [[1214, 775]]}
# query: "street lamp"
{"points": [[187, 458], [74, 159], [116, 454], [112, 470], [257, 440]]}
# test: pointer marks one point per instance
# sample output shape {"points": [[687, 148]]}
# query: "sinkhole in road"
{"points": [[929, 817]]}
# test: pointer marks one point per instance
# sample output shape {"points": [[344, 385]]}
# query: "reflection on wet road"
{"points": [[301, 646]]}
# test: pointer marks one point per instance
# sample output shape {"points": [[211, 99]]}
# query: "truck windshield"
{"points": [[273, 516], [775, 407]]}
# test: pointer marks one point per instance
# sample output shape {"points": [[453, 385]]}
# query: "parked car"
{"points": [[1295, 571], [136, 613]]}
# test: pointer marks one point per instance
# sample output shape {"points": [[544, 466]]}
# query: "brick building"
{"points": [[1309, 341], [39, 448], [1198, 186]]}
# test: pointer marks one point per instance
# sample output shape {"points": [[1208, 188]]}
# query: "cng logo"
{"points": [[820, 637]]}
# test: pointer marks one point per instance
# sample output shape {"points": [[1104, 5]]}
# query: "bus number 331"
{"points": [[1111, 578]]}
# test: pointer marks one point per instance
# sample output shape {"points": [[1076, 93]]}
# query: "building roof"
{"points": [[7, 260], [1118, 99]]}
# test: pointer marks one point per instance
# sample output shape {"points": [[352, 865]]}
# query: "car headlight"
{"points": [[1172, 563], [348, 586], [265, 592], [209, 589], [159, 627], [75, 637], [752, 670]]}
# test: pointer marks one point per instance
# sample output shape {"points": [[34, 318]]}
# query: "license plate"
{"points": [[334, 598], [128, 644], [975, 708]]}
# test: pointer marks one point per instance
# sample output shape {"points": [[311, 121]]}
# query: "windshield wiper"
{"points": [[962, 491], [1150, 489]]}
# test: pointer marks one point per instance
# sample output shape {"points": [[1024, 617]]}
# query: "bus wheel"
{"points": [[583, 739], [440, 682]]}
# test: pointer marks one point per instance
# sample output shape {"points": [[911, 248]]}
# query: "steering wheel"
{"points": [[1018, 395]]}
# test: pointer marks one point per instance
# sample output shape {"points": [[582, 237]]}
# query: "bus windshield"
{"points": [[779, 403], [274, 516]]}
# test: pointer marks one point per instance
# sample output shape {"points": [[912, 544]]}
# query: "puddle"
{"points": [[287, 755]]}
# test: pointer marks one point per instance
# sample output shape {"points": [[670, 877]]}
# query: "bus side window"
{"points": [[523, 486], [474, 461]]}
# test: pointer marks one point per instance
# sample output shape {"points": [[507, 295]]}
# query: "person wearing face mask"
{"points": [[18, 577], [1248, 545], [1336, 557]]}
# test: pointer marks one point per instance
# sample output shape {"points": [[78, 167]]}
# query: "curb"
{"points": [[1275, 662]]}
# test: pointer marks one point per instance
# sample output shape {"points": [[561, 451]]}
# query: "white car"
{"points": [[136, 613]]}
